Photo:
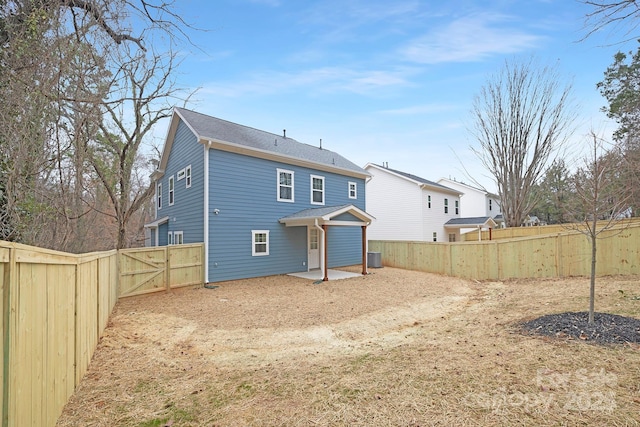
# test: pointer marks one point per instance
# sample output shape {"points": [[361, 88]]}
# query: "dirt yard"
{"points": [[396, 348]]}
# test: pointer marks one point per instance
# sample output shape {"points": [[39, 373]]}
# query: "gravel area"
{"points": [[605, 329]]}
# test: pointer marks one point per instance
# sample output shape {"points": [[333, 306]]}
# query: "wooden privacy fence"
{"points": [[560, 255], [513, 232], [56, 306], [144, 270]]}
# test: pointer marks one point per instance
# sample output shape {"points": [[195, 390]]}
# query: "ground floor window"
{"points": [[452, 237], [175, 238], [435, 236], [260, 245]]}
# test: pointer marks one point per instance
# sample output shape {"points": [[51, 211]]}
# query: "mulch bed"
{"points": [[605, 329]]}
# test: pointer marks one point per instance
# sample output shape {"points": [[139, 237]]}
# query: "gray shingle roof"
{"points": [[315, 212], [212, 128], [478, 220], [418, 179]]}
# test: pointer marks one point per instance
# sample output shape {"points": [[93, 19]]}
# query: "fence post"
{"points": [[9, 282], [167, 267]]}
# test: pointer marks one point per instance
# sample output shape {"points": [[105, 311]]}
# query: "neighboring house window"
{"points": [[317, 190], [457, 207], [490, 203], [180, 175], [452, 237], [285, 186], [446, 205], [435, 236], [170, 238], [429, 202], [159, 196], [187, 175], [260, 245], [178, 237], [353, 190], [171, 188]]}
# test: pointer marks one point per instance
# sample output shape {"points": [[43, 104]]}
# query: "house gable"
{"points": [[408, 207]]}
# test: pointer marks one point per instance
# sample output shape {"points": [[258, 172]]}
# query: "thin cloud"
{"points": [[420, 109], [469, 39], [320, 80]]}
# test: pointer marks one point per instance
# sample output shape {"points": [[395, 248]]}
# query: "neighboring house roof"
{"points": [[418, 180], [325, 215], [471, 187], [479, 221], [228, 136]]}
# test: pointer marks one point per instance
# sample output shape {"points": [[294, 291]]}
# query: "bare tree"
{"points": [[59, 66], [599, 202], [617, 15], [144, 91], [522, 116]]}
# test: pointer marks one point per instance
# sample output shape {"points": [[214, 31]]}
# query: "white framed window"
{"points": [[490, 204], [457, 207], [317, 190], [353, 190], [285, 185], [187, 175], [159, 194], [452, 237], [429, 201], [171, 190], [170, 238], [435, 236], [260, 242], [178, 237], [180, 175], [446, 205]]}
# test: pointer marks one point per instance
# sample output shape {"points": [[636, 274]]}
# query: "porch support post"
{"points": [[325, 255], [364, 250]]}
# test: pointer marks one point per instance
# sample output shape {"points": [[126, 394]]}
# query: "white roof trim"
{"points": [[157, 222]]}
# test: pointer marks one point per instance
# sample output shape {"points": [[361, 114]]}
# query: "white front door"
{"points": [[314, 249]]}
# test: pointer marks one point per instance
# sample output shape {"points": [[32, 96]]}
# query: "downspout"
{"points": [[205, 239], [319, 240]]}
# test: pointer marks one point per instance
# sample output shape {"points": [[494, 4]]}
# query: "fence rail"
{"points": [[55, 307], [551, 255]]}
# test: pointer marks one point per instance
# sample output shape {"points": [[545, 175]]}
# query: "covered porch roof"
{"points": [[327, 215], [472, 222], [157, 222]]}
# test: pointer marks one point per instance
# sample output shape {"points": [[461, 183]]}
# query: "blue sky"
{"points": [[383, 81]]}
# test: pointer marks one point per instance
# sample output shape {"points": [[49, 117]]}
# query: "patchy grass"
{"points": [[417, 349]]}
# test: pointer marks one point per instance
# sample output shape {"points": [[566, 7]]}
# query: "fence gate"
{"points": [[142, 270]]}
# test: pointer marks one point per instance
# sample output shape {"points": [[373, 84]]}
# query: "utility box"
{"points": [[374, 259]]}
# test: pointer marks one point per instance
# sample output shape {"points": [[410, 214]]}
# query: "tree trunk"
{"points": [[592, 288]]}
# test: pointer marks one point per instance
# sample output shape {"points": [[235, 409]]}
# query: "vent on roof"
{"points": [[321, 143], [284, 133], [275, 142]]}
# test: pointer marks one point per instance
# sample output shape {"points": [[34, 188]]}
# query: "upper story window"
{"points": [[159, 192], [457, 207], [180, 175], [171, 190], [187, 176], [353, 190], [490, 204], [317, 190], [285, 186], [429, 201], [260, 242], [446, 205]]}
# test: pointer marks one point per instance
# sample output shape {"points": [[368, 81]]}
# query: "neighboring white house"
{"points": [[475, 202], [407, 207]]}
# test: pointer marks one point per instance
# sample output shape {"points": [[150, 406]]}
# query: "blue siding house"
{"points": [[263, 204]]}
